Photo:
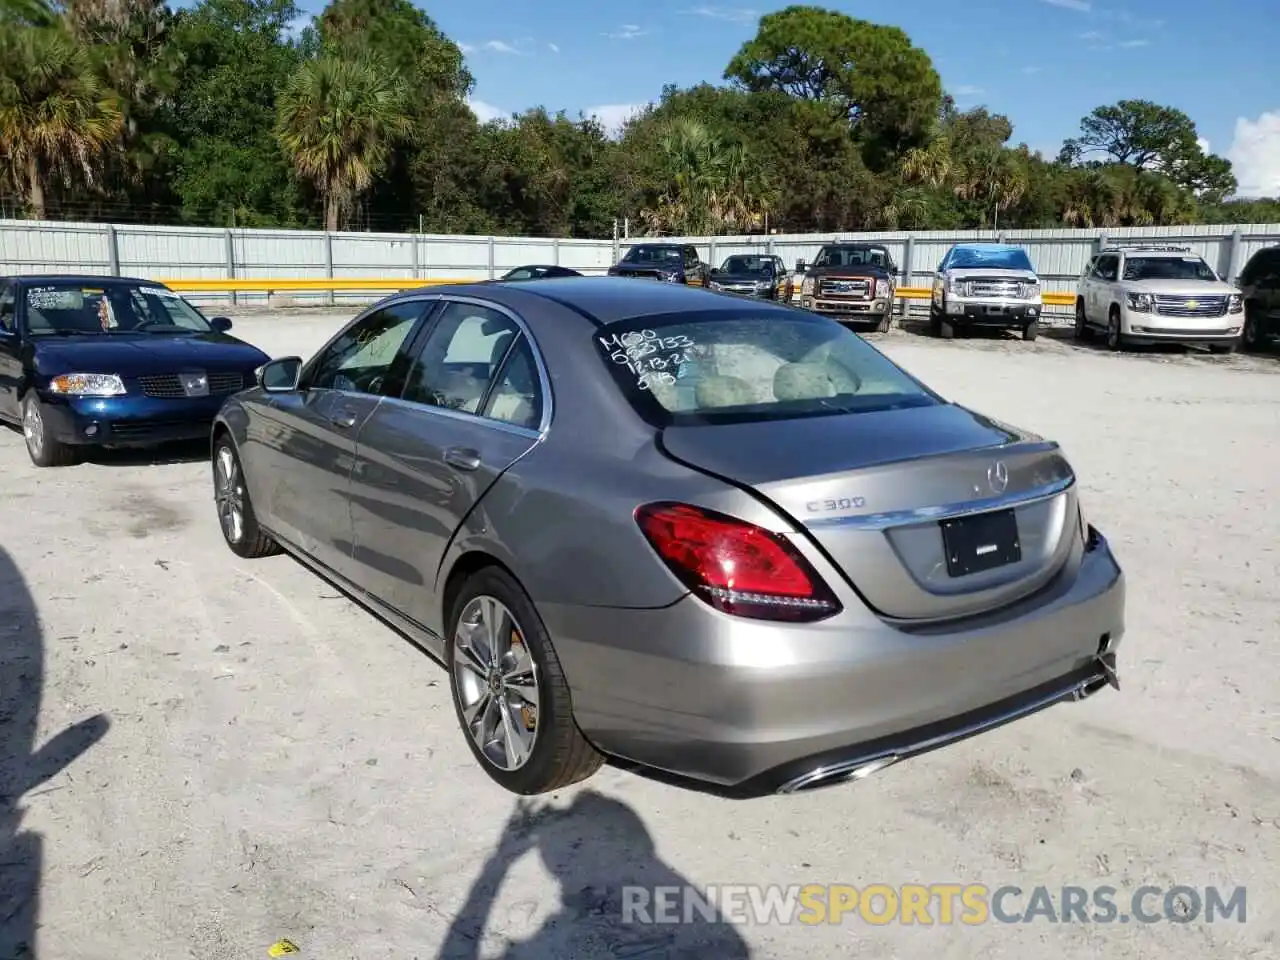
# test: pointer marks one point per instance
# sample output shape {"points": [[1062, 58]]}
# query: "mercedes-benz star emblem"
{"points": [[998, 476]]}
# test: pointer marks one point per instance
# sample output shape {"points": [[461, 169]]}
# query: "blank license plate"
{"points": [[981, 542]]}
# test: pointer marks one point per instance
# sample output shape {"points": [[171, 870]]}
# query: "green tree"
{"points": [[872, 74], [1146, 135], [338, 120], [57, 119]]}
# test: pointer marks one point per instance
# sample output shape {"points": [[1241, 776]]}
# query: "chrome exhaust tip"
{"points": [[838, 774]]}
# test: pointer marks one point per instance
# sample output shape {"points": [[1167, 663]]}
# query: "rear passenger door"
{"points": [[10, 352], [475, 401]]}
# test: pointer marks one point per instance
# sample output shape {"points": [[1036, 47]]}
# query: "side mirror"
{"points": [[220, 324], [801, 265], [280, 376]]}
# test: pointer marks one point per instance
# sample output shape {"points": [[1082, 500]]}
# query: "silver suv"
{"points": [[1146, 293], [985, 285]]}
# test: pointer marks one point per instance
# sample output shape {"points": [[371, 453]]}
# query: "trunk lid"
{"points": [[872, 490]]}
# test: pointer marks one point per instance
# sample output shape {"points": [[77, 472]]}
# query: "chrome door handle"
{"points": [[464, 458], [344, 419]]}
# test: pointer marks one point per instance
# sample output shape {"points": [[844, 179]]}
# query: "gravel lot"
{"points": [[201, 755]]}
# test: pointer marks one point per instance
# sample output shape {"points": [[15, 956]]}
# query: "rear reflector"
{"points": [[735, 566]]}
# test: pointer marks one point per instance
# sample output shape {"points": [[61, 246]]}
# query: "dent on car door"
{"points": [[308, 437], [473, 404]]}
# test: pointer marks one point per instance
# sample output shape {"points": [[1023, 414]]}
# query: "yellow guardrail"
{"points": [[360, 284]]}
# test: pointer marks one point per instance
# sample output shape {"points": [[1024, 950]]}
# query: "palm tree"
{"points": [[338, 121], [56, 117]]}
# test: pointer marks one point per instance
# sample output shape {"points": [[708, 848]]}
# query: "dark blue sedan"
{"points": [[112, 361]]}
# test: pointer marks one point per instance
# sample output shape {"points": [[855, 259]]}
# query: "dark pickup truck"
{"points": [[851, 283], [669, 262]]}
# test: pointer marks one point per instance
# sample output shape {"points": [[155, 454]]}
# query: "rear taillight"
{"points": [[735, 566]]}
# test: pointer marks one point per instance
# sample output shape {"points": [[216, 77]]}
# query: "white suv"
{"points": [[1151, 294]]}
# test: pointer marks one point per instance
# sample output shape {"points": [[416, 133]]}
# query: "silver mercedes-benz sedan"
{"points": [[722, 542]]}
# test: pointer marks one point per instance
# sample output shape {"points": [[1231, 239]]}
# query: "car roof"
{"points": [[857, 244], [604, 300], [46, 278], [987, 245]]}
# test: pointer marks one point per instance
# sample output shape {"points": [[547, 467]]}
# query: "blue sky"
{"points": [[1044, 63]]}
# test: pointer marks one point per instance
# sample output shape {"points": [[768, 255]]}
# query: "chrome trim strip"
{"points": [[902, 518], [860, 767], [464, 417]]}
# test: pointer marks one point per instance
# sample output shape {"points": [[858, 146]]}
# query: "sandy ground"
{"points": [[202, 755]]}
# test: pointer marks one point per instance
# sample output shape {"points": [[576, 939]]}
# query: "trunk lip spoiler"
{"points": [[946, 511]]}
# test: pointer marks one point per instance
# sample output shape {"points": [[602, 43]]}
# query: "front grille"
{"points": [[168, 385], [1191, 306], [854, 289], [994, 289]]}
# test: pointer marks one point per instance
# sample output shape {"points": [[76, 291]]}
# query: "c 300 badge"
{"points": [[839, 503]]}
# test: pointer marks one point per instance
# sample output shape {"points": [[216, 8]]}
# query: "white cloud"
{"points": [[486, 111], [1255, 155], [466, 47], [1080, 6], [1131, 44], [500, 46], [1203, 144], [732, 14], [967, 90], [1092, 35], [628, 31], [612, 116], [553, 48]]}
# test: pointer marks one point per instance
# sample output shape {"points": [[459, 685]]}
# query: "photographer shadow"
{"points": [[594, 848], [23, 767]]}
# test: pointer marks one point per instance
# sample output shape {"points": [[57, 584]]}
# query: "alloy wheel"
{"points": [[33, 429], [497, 683], [229, 495]]}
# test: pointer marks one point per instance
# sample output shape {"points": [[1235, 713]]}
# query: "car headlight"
{"points": [[764, 285], [715, 286], [670, 277], [955, 286], [806, 286], [87, 385], [1030, 291], [882, 289], [1140, 302], [1235, 303]]}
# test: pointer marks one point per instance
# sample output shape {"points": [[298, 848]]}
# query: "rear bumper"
{"points": [[744, 709], [129, 421]]}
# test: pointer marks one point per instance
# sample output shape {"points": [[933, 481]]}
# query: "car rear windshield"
{"points": [[975, 258], [852, 257], [749, 366], [746, 264], [1167, 268]]}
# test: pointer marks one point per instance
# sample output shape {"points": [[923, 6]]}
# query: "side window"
{"points": [[1090, 266], [517, 396], [461, 357], [8, 319], [1107, 268], [691, 256], [370, 356]]}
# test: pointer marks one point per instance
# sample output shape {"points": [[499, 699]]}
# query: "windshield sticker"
{"points": [[54, 298], [164, 292], [651, 359]]}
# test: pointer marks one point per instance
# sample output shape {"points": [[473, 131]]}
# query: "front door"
{"points": [[473, 404], [10, 353], [309, 436]]}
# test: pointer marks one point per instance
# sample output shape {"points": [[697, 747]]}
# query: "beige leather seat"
{"points": [[723, 392], [812, 381]]}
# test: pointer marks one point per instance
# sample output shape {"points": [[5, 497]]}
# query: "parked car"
{"points": [[1259, 284], [762, 276], [736, 545], [1151, 293], [669, 262], [989, 285], [91, 361], [850, 282], [539, 272]]}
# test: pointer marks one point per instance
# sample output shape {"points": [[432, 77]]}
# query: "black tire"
{"points": [[949, 330], [1083, 331], [559, 755], [246, 539], [885, 324], [1251, 337], [1115, 339], [42, 447], [935, 320], [1031, 330]]}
